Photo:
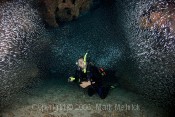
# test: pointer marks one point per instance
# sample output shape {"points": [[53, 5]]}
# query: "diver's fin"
{"points": [[113, 86]]}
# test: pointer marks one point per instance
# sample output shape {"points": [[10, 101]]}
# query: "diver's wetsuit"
{"points": [[92, 74]]}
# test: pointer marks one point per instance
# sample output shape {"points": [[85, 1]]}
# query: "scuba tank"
{"points": [[102, 72]]}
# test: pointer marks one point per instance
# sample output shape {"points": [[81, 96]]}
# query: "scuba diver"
{"points": [[89, 76]]}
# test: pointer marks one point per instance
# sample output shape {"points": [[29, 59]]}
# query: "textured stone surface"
{"points": [[55, 11], [160, 14]]}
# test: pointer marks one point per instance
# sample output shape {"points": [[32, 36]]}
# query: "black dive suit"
{"points": [[93, 75]]}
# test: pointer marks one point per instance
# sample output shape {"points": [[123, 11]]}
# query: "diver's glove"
{"points": [[71, 79]]}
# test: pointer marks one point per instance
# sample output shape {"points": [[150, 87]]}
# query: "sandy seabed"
{"points": [[71, 101]]}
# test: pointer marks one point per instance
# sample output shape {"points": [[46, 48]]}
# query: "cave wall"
{"points": [[56, 11]]}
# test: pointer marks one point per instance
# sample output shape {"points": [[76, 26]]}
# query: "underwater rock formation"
{"points": [[55, 11], [159, 15]]}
